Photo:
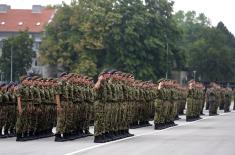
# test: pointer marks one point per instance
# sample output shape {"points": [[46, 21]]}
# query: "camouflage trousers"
{"points": [[99, 119], [227, 105], [182, 104], [22, 121], [61, 118], [2, 117], [159, 116], [190, 107], [213, 107]]}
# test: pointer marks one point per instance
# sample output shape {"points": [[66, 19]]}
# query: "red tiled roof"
{"points": [[13, 17]]}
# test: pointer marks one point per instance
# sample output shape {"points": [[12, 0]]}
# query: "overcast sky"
{"points": [[216, 10]]}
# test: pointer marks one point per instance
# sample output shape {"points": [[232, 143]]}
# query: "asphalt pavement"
{"points": [[211, 135]]}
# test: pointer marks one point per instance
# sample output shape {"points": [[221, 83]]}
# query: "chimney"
{"points": [[4, 8], [37, 8]]}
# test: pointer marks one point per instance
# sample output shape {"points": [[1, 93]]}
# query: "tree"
{"points": [[128, 35], [209, 50], [22, 54]]}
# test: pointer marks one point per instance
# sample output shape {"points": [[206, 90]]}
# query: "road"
{"points": [[210, 135]]}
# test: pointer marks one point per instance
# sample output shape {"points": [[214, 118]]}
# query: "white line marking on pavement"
{"points": [[144, 134]]}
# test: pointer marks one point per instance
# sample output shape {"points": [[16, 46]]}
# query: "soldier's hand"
{"points": [[59, 109], [97, 85]]}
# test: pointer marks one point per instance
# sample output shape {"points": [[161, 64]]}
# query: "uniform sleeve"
{"points": [[58, 88], [0, 97], [18, 91]]}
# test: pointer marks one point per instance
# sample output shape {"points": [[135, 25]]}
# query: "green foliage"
{"points": [[22, 54], [209, 50], [129, 35]]}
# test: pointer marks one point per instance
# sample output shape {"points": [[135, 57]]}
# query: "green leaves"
{"points": [[128, 35], [22, 54], [208, 49]]}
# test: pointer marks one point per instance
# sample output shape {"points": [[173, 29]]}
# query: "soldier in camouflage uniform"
{"points": [[75, 98], [165, 107], [228, 99], [2, 110], [194, 101], [233, 99], [182, 100], [22, 93], [211, 99], [36, 109], [112, 114], [9, 128], [99, 108], [222, 96]]}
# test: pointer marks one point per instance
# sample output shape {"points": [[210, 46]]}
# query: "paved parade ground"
{"points": [[209, 136]]}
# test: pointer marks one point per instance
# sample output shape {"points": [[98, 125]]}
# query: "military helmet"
{"points": [[63, 74], [22, 78]]}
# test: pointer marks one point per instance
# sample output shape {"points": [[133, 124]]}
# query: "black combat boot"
{"points": [[25, 136], [134, 125], [6, 132], [100, 139], [1, 135], [128, 133], [57, 137], [107, 136], [114, 135], [87, 132], [156, 126], [18, 137]]}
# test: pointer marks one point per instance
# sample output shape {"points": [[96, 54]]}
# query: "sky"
{"points": [[215, 10]]}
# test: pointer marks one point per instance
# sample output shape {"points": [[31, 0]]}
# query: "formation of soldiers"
{"points": [[195, 100], [36, 109], [115, 103], [218, 97], [226, 98], [170, 101], [8, 104], [233, 99], [121, 102], [75, 98]]}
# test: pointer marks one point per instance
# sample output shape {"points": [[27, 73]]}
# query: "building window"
{"points": [[36, 46], [36, 63], [38, 24], [20, 23]]}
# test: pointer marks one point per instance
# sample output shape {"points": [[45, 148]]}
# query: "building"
{"points": [[34, 20]]}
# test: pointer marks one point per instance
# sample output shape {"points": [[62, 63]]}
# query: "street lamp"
{"points": [[11, 64], [167, 54], [194, 75], [1, 46]]}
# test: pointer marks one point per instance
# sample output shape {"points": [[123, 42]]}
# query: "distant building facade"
{"points": [[34, 20]]}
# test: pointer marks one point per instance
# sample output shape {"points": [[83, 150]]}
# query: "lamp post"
{"points": [[194, 75], [11, 64], [167, 54], [1, 46]]}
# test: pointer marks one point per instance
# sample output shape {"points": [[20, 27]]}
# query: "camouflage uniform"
{"points": [[22, 117], [159, 118], [228, 98], [61, 89], [2, 112], [99, 109], [211, 97]]}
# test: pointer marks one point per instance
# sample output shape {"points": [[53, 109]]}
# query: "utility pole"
{"points": [[167, 54], [194, 75], [11, 64]]}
